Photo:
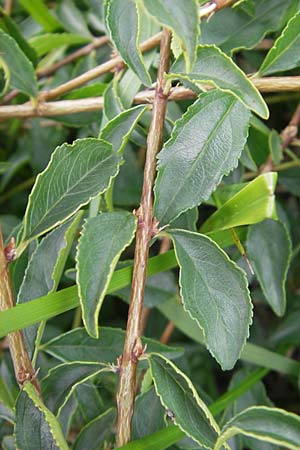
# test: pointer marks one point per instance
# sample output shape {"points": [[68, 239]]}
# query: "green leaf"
{"points": [[183, 19], [96, 432], [44, 271], [215, 294], [232, 29], [40, 12], [266, 424], [215, 68], [19, 71], [124, 23], [11, 28], [72, 18], [178, 395], [253, 203], [75, 174], [194, 160], [285, 53], [51, 41], [31, 414], [62, 380], [275, 144], [270, 262], [118, 129], [149, 415], [103, 239], [77, 345]]}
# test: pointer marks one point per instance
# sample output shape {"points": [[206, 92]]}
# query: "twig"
{"points": [[271, 84], [165, 337], [21, 361], [83, 51], [8, 6], [133, 347]]}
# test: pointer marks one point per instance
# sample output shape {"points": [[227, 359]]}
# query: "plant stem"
{"points": [[21, 361], [133, 347]]}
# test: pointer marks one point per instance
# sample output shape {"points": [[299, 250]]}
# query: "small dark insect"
{"points": [[170, 414]]}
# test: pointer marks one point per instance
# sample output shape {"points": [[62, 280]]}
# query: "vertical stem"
{"points": [[21, 361], [132, 346]]}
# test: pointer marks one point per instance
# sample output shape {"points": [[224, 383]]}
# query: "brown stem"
{"points": [[165, 337], [290, 132], [8, 6], [21, 361], [133, 347], [44, 109]]}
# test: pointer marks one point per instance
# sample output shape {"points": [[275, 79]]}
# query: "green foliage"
{"points": [[223, 247]]}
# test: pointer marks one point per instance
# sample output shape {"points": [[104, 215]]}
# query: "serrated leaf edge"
{"points": [[95, 332], [236, 267], [198, 400]]}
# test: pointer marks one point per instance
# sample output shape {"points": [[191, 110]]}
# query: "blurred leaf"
{"points": [[270, 262], [290, 180], [72, 18], [75, 174], [275, 144], [284, 54], [32, 414], [19, 71], [181, 16], [184, 159], [47, 42], [96, 432], [287, 331], [39, 11], [215, 68], [110, 233]]}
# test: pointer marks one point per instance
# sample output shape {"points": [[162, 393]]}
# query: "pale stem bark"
{"points": [[133, 347], [21, 361], [62, 107]]}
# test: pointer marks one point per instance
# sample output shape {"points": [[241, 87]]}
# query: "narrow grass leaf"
{"points": [[215, 293], [285, 53], [110, 233], [270, 262], [36, 427], [180, 398], [194, 160], [215, 68], [40, 12], [266, 424], [75, 174]]}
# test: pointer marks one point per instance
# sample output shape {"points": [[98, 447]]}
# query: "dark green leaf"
{"points": [[284, 54], [110, 233], [36, 427], [19, 71], [194, 160], [75, 174], [182, 17], [96, 432], [214, 67], [180, 398], [123, 21], [148, 415], [215, 293], [270, 262]]}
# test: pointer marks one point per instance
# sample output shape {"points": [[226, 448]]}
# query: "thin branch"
{"points": [[44, 109], [8, 6], [133, 347], [21, 361]]}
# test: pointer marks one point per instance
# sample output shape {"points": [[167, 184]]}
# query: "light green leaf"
{"points": [[40, 12], [31, 414], [270, 262], [78, 345], [253, 203], [183, 19], [275, 144], [103, 239], [194, 160], [178, 395], [232, 29], [62, 380], [266, 424], [19, 71], [285, 53], [96, 432], [215, 294], [44, 271], [215, 68], [75, 174], [47, 42], [118, 129], [124, 24]]}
